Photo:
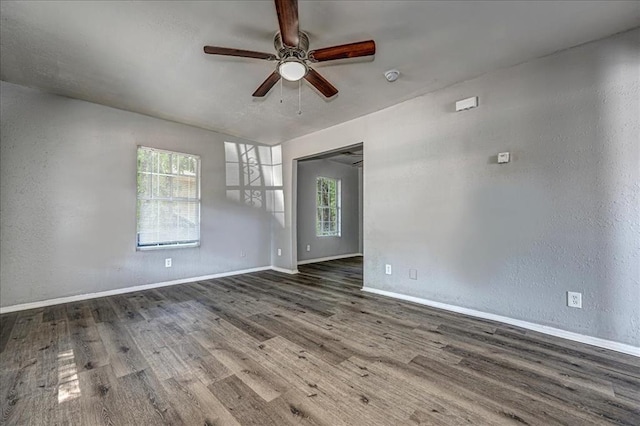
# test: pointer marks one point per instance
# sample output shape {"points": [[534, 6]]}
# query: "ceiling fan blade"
{"points": [[351, 50], [267, 85], [320, 83], [288, 19], [214, 50]]}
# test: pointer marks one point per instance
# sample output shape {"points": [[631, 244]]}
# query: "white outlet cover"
{"points": [[167, 263], [503, 157], [387, 269], [279, 252], [308, 247], [413, 274], [574, 299]]}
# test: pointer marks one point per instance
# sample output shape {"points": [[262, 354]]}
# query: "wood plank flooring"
{"points": [[311, 349]]}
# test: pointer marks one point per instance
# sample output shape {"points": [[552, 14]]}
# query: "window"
{"points": [[328, 207], [168, 213]]}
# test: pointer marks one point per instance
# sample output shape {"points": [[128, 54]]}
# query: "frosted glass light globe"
{"points": [[292, 70]]}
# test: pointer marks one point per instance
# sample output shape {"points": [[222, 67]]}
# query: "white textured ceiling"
{"points": [[147, 56]]}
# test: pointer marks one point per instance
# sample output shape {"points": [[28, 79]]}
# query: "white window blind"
{"points": [[168, 213], [328, 207]]}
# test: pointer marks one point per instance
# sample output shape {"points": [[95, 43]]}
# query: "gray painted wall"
{"points": [[347, 243], [510, 239], [68, 201]]}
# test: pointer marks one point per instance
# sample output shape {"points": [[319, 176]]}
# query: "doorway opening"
{"points": [[329, 205]]}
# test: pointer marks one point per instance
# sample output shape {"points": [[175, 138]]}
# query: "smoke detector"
{"points": [[391, 75]]}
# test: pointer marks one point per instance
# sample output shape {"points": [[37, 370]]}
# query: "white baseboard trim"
{"points": [[325, 259], [285, 271], [569, 335], [86, 296]]}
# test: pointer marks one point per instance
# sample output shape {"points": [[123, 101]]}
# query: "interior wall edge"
{"points": [[285, 270]]}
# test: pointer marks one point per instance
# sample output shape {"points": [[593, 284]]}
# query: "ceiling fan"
{"points": [[293, 55]]}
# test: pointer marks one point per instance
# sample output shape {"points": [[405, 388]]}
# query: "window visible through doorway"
{"points": [[168, 205], [328, 207]]}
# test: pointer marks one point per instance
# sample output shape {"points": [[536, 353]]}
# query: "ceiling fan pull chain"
{"points": [[299, 97], [280, 90]]}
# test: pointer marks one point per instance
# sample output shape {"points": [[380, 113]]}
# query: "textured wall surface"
{"points": [[347, 243], [510, 239], [68, 201]]}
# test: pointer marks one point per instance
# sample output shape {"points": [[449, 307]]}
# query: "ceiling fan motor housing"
{"points": [[285, 52]]}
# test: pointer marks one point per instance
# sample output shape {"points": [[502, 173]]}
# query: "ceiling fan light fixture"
{"points": [[292, 70]]}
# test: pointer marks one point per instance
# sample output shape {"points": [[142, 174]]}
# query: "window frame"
{"points": [[320, 228], [175, 243]]}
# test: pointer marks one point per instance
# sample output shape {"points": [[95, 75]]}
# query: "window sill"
{"points": [[172, 246]]}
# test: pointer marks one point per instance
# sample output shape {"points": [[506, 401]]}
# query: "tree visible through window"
{"points": [[168, 212], [328, 207]]}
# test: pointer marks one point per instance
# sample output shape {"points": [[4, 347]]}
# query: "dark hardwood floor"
{"points": [[274, 349]]}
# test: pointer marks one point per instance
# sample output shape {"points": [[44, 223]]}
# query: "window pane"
{"points": [[187, 166], [174, 164], [164, 162], [144, 185], [188, 219], [184, 187], [154, 161], [162, 186], [144, 160], [147, 212]]}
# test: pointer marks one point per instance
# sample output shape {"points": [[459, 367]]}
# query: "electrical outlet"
{"points": [[167, 262], [308, 247], [574, 299], [279, 252], [387, 269], [243, 253], [413, 274]]}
